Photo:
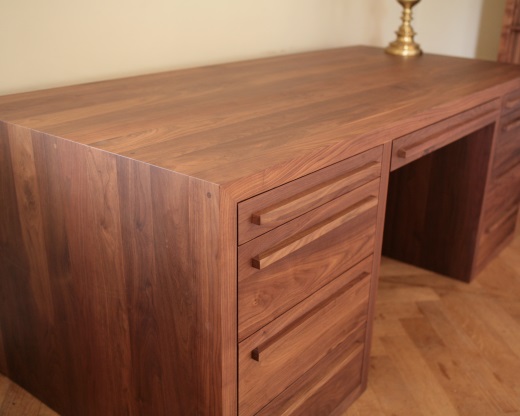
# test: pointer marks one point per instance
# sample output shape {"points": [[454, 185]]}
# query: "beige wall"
{"points": [[59, 42]]}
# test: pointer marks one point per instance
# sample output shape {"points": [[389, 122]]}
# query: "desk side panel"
{"points": [[434, 206], [109, 281]]}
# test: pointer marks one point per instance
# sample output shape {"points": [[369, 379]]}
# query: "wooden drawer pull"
{"points": [[306, 237], [255, 354], [511, 125], [495, 226], [305, 201], [422, 147]]}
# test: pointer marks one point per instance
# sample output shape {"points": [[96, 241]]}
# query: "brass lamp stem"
{"points": [[405, 45]]}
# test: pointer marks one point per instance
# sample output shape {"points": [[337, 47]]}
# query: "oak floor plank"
{"points": [[440, 346], [391, 389], [413, 367], [17, 402], [448, 372], [471, 360]]}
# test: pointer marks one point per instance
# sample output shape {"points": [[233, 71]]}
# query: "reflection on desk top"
{"points": [[224, 123]]}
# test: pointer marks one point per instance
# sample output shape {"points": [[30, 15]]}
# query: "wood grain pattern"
{"points": [[353, 169], [453, 349], [327, 388], [122, 287], [298, 241], [222, 123], [378, 244], [99, 296], [441, 191], [265, 294], [301, 346], [422, 142], [304, 202]]}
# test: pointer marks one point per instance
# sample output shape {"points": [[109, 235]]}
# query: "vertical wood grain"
{"points": [[134, 186], [11, 253], [435, 205], [27, 309], [380, 225], [111, 285], [204, 259]]}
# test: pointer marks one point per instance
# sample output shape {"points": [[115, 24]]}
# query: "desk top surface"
{"points": [[224, 123]]}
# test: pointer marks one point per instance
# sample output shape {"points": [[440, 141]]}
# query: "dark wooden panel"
{"points": [[507, 149], [328, 387], [13, 260], [265, 294], [424, 141], [295, 342], [350, 173], [378, 243], [112, 281], [434, 207]]}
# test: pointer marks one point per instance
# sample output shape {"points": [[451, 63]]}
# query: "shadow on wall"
{"points": [[490, 27]]}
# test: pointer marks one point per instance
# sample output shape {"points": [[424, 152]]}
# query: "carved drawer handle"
{"points": [[511, 125], [305, 201], [262, 348], [300, 240]]}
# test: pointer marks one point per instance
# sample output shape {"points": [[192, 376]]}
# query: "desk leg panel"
{"points": [[435, 205], [109, 281]]}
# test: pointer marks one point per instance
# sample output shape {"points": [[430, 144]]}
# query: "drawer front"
{"points": [[495, 236], [502, 197], [281, 268], [267, 211], [328, 326], [326, 389], [507, 149], [419, 143], [511, 102]]}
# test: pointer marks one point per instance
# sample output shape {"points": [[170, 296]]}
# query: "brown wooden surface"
{"points": [[119, 213], [507, 154], [327, 388], [354, 171], [434, 206], [265, 294], [97, 313], [244, 121], [422, 142], [441, 347], [298, 340], [378, 244], [502, 199]]}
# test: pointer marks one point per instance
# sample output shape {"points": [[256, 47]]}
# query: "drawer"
{"points": [[507, 148], [281, 268], [325, 331], [503, 195], [511, 101], [326, 389], [496, 235], [419, 143], [270, 209]]}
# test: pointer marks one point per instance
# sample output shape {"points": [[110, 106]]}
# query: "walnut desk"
{"points": [[207, 241]]}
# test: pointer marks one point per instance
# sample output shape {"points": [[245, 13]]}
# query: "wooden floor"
{"points": [[440, 347]]}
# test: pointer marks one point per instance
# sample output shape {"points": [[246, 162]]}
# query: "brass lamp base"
{"points": [[403, 49], [404, 45]]}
